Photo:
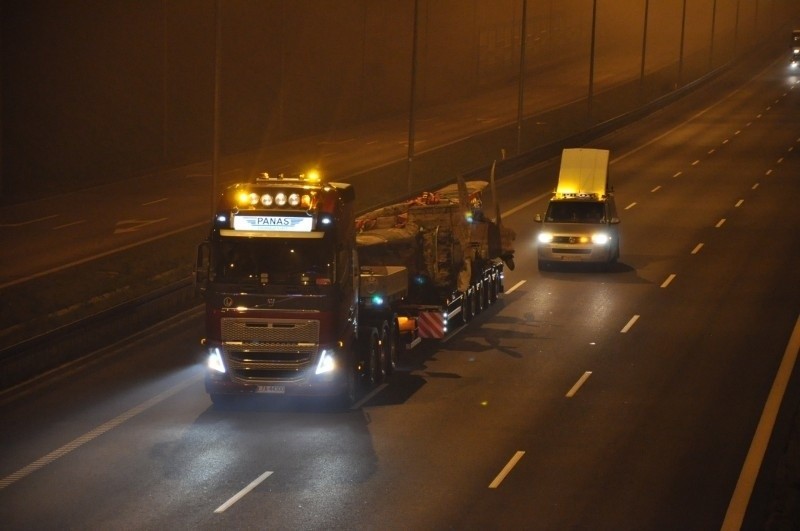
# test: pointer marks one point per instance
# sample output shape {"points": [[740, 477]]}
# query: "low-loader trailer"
{"points": [[303, 298]]}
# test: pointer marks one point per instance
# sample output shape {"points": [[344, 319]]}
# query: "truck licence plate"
{"points": [[272, 389]]}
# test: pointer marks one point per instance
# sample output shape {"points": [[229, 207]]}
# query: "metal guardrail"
{"points": [[45, 352]]}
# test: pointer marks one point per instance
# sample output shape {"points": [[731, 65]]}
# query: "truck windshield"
{"points": [[575, 212], [275, 261]]}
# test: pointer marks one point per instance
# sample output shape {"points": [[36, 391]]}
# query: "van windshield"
{"points": [[575, 212]]}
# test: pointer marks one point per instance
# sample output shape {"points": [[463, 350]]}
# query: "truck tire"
{"points": [[351, 391], [369, 346]]}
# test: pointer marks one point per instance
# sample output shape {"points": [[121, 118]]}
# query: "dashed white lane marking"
{"points": [[720, 223], [711, 151], [630, 206], [526, 204], [71, 224], [155, 201], [768, 172], [678, 174], [506, 469], [242, 493], [738, 203], [669, 280], [656, 189], [697, 248], [629, 325], [514, 287], [97, 432], [695, 163], [754, 186], [578, 384], [28, 222]]}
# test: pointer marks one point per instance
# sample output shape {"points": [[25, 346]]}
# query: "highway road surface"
{"points": [[629, 399]]}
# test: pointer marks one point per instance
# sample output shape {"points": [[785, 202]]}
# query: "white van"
{"points": [[581, 223]]}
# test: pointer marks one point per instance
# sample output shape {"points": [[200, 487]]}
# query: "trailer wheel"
{"points": [[394, 347], [480, 293], [469, 306], [385, 352]]}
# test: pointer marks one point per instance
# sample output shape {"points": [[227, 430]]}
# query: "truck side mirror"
{"points": [[202, 267], [537, 218]]}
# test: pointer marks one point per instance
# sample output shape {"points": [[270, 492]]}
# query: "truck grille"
{"points": [[269, 350]]}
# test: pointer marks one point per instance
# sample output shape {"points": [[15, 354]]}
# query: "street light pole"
{"points": [[521, 100], [215, 148], [412, 99]]}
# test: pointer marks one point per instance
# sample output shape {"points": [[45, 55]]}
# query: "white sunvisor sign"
{"points": [[273, 223]]}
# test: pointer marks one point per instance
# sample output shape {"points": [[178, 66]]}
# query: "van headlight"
{"points": [[600, 238], [545, 237]]}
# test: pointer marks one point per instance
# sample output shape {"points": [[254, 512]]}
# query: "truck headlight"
{"points": [[600, 238], [545, 237], [215, 361], [326, 363]]}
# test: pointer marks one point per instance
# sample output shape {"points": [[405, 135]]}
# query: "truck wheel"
{"points": [[370, 349], [351, 391]]}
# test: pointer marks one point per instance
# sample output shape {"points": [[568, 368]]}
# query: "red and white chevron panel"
{"points": [[430, 325]]}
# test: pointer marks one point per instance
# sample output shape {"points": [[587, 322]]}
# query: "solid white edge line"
{"points": [[506, 469], [670, 278], [242, 493], [578, 384], [758, 447], [629, 325], [514, 287]]}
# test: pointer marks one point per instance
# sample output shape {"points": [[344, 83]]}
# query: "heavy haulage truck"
{"points": [[303, 298]]}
